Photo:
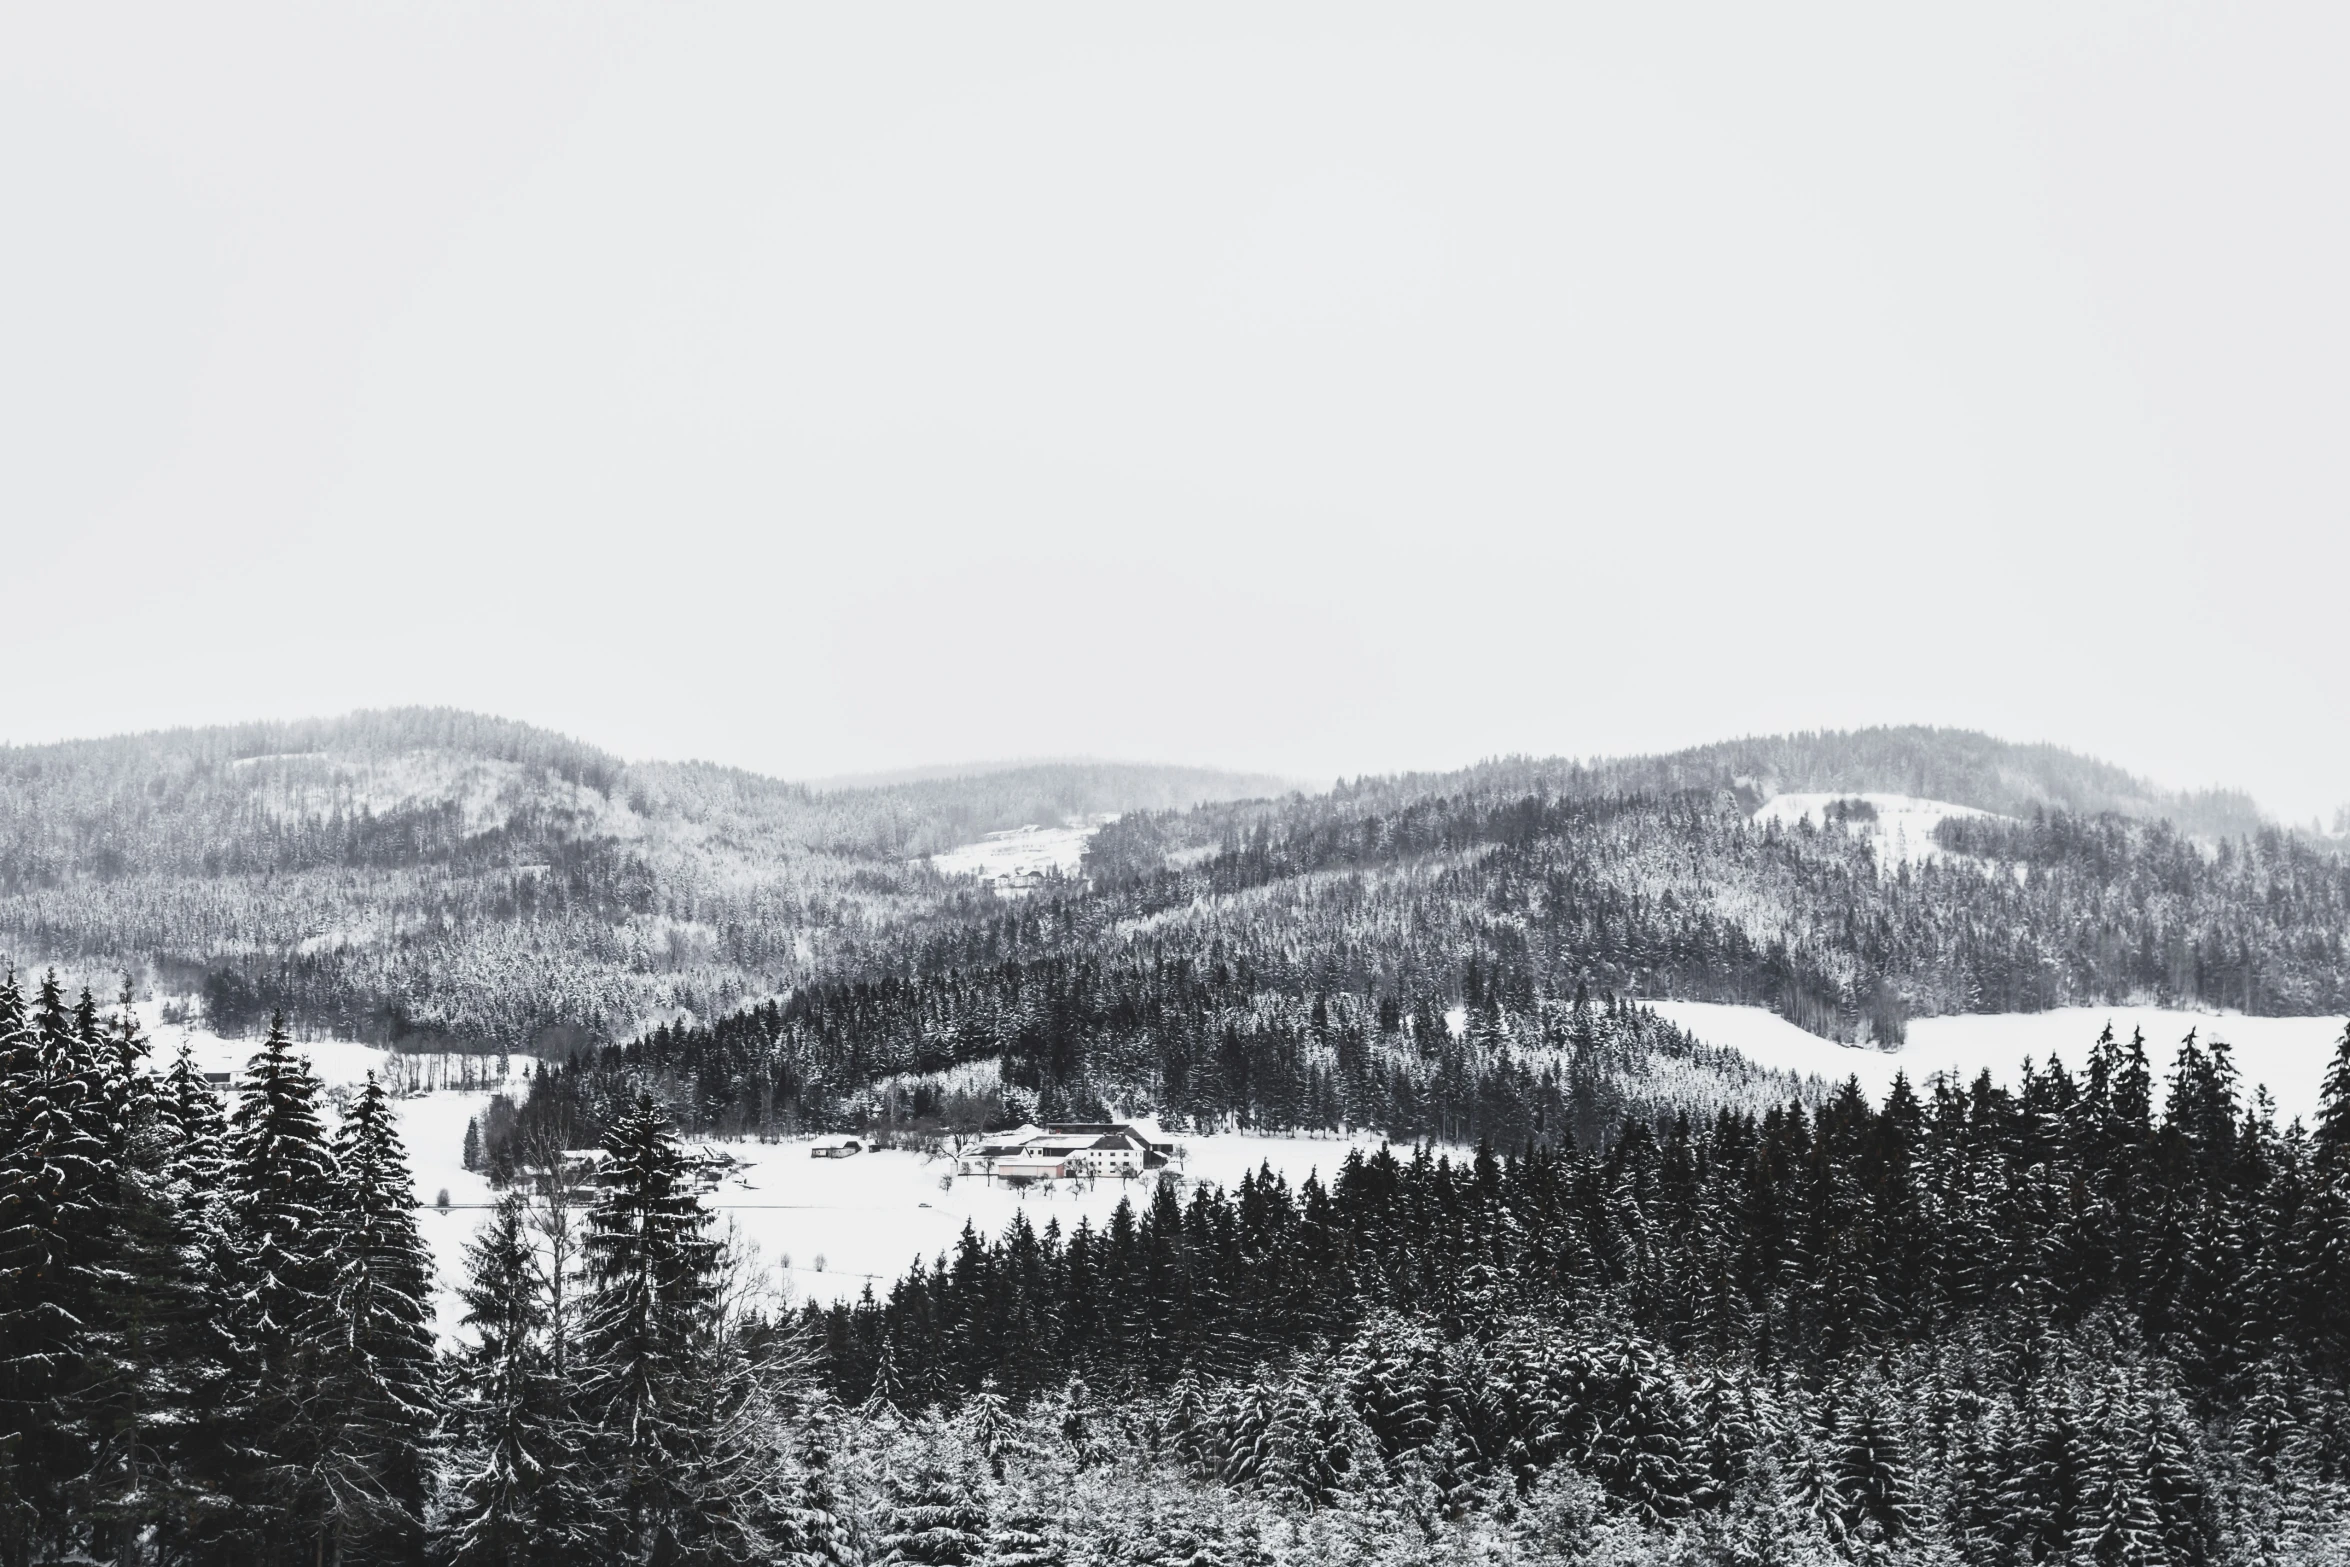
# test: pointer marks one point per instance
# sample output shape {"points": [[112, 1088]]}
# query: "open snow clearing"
{"points": [[2287, 1055]]}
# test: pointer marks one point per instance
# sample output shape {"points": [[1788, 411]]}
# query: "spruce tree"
{"points": [[648, 1350], [2116, 1524], [144, 1368], [2331, 1136], [518, 1497], [276, 1277], [1027, 1532], [809, 1529], [57, 1179], [933, 1514], [376, 1354]]}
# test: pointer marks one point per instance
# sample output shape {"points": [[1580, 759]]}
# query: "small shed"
{"points": [[836, 1148]]}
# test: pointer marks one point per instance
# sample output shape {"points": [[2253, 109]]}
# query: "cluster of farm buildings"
{"points": [[1068, 1151]]}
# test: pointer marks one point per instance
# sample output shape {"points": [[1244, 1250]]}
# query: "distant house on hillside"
{"points": [[1066, 1151]]}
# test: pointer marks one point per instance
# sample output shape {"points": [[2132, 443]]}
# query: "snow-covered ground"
{"points": [[822, 1228], [868, 1217], [2286, 1054], [1903, 832], [1022, 851]]}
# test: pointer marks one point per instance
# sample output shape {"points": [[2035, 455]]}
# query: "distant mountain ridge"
{"points": [[1960, 766], [430, 872], [426, 870]]}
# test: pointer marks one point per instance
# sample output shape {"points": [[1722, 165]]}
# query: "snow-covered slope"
{"points": [[1006, 859], [1902, 832], [2287, 1055]]}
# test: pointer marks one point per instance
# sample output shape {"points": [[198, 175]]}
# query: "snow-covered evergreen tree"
{"points": [[57, 1179], [809, 1527], [2331, 1135], [649, 1370], [375, 1347], [1870, 1465], [516, 1493], [276, 1274], [933, 1511], [1027, 1531], [144, 1369]]}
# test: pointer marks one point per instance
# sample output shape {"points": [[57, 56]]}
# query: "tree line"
{"points": [[2100, 1317], [2095, 1318]]}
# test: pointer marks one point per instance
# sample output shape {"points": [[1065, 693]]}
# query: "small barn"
{"points": [[835, 1148]]}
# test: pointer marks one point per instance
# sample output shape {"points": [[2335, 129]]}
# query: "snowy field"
{"points": [[1902, 834], [821, 1228], [1022, 851], [2286, 1054], [867, 1218]]}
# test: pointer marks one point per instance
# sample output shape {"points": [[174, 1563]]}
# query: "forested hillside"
{"points": [[1304, 962], [434, 873], [1957, 765]]}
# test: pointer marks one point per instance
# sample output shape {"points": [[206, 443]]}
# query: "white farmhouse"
{"points": [[1061, 1152]]}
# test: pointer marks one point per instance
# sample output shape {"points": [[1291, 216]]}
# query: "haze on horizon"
{"points": [[1321, 392]]}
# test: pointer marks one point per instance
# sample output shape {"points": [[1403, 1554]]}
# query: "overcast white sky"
{"points": [[831, 389]]}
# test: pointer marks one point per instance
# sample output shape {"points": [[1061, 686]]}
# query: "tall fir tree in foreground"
{"points": [[376, 1365], [143, 1369], [650, 1374], [517, 1493], [2331, 1138], [277, 1274], [56, 1188]]}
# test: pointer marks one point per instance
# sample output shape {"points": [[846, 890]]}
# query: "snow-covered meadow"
{"points": [[829, 1226], [2287, 1055], [820, 1228], [1006, 858]]}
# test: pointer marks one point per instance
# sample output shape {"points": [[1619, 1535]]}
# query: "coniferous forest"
{"points": [[1607, 1294], [2097, 1317]]}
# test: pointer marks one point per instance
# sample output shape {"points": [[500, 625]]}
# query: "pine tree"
{"points": [[276, 1272], [2116, 1522], [648, 1346], [1249, 1430], [2331, 1136], [57, 1186], [143, 1368], [517, 1496], [808, 1530], [198, 1134], [1642, 1445], [376, 1351], [988, 1427], [1191, 1427], [887, 1399], [1028, 1532], [933, 1514]]}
